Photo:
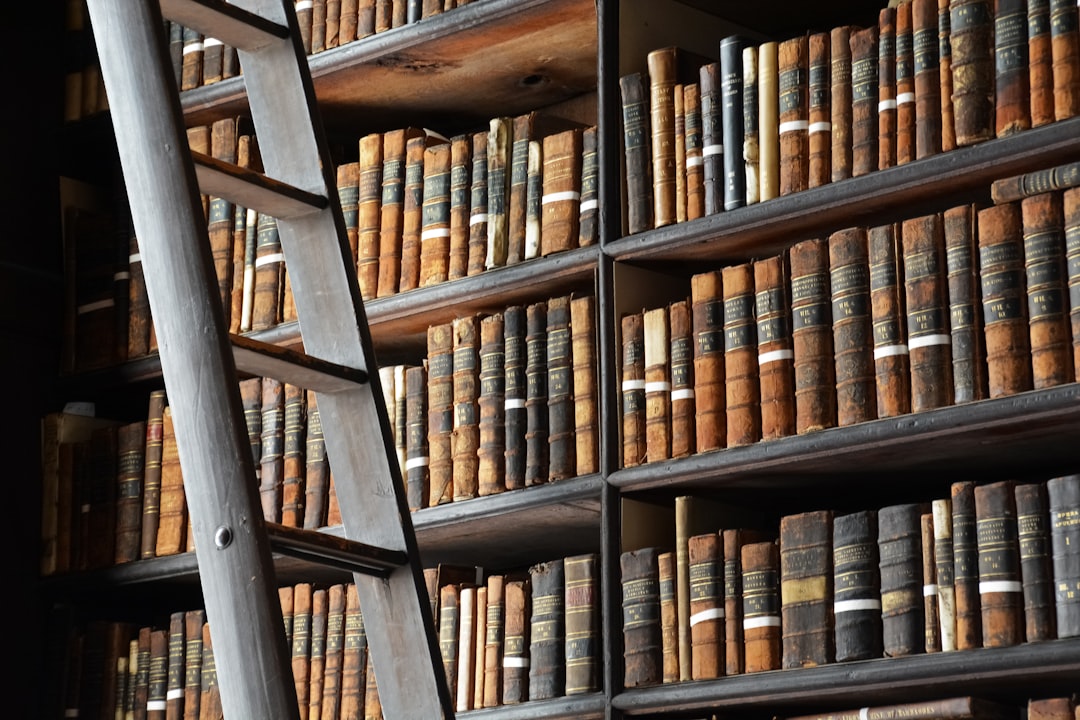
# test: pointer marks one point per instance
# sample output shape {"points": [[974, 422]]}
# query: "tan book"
{"points": [[812, 336], [948, 121], [172, 522], [348, 184], [560, 211], [669, 617], [479, 636], [353, 658], [840, 101], [926, 60], [493, 641], [820, 130], [768, 120], [683, 433], [864, 100], [330, 705], [269, 273], [663, 74], [491, 404], [365, 26], [586, 407], [518, 604], [891, 352], [1047, 281], [392, 208], [440, 389], [499, 145], [905, 83], [632, 389], [657, 385], [926, 293], [435, 233], [743, 399], [695, 167], [1012, 92], [413, 220], [465, 436], [368, 216], [886, 87], [707, 310], [317, 663], [1065, 50], [460, 205], [971, 39], [793, 65], [774, 349]]}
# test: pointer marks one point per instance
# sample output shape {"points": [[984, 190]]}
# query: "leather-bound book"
{"points": [[669, 617], [743, 399], [710, 81], [768, 96], [776, 365], [435, 233], [347, 23], [478, 205], [159, 675], [965, 566], [732, 121], [301, 643], [318, 26], [191, 68], [193, 655], [735, 650], [142, 674], [886, 311], [516, 660], [243, 268], [330, 704], [223, 146], [1018, 187], [683, 434], [465, 436], [319, 618], [793, 66], [856, 587], [1059, 708], [941, 511], [499, 146], [392, 208], [412, 218], [1071, 210], [812, 336], [440, 405], [522, 133], [534, 181], [948, 123], [806, 589], [931, 621], [864, 100], [589, 207], [583, 639], [972, 41], [449, 627], [316, 467], [1040, 62], [172, 516], [417, 485], [680, 152], [662, 65], [840, 101], [547, 631], [636, 141], [272, 447], [886, 87], [269, 275], [138, 336], [213, 60], [632, 389], [586, 408], [642, 647], [761, 606], [1001, 594], [1012, 92], [365, 26], [353, 657], [151, 502], [514, 359], [900, 563], [1065, 50], [384, 15], [965, 326], [1004, 301], [1036, 570], [905, 84], [293, 463], [657, 385], [562, 463], [491, 468], [536, 395], [560, 212], [707, 309], [494, 630], [926, 66], [176, 55], [476, 700], [927, 300], [1063, 497], [460, 205], [130, 471], [348, 184], [372, 702], [368, 215], [695, 170], [705, 559], [1044, 265], [853, 343], [820, 112], [210, 693]]}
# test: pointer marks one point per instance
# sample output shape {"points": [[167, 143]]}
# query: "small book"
{"points": [[1047, 277], [891, 360], [806, 589], [1065, 50], [586, 409], [819, 142], [537, 427], [1040, 63], [683, 434], [514, 358], [272, 446], [695, 169], [493, 641], [562, 461], [840, 101], [460, 205], [478, 204], [761, 606], [931, 621], [926, 293], [927, 69], [712, 137], [732, 120], [965, 320], [491, 468], [852, 327], [1012, 89], [1000, 588], [768, 81], [151, 503], [857, 601], [1036, 570], [636, 143], [657, 385], [392, 208], [864, 100], [440, 405], [905, 84], [330, 705], [499, 145], [172, 515], [707, 310], [941, 510], [900, 562], [972, 62], [516, 645], [669, 618], [775, 353], [1063, 497], [886, 107], [435, 228], [743, 401], [793, 65], [130, 471], [705, 560], [560, 212], [292, 459], [589, 207], [583, 637], [533, 195], [643, 650], [465, 382], [316, 468], [965, 566], [632, 389]]}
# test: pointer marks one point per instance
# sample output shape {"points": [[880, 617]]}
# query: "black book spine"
{"points": [[712, 136], [900, 560], [514, 359], [732, 120], [857, 587], [1033, 532], [1064, 499], [547, 645], [536, 395]]}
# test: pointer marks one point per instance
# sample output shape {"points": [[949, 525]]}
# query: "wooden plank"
{"points": [[266, 360], [229, 24], [254, 190], [323, 548]]}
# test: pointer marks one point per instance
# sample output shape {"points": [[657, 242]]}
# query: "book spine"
{"points": [[1000, 589], [368, 214], [330, 705], [705, 558], [806, 589], [348, 183], [318, 26], [669, 617], [210, 694], [636, 137], [412, 214], [732, 114], [695, 170], [138, 337], [971, 25], [272, 447], [586, 410], [476, 697], [853, 342], [316, 467], [159, 675], [944, 570], [1036, 573], [761, 606], [1012, 93], [905, 84], [966, 566], [494, 630], [840, 101], [633, 389], [582, 604], [891, 360], [537, 422], [174, 670], [516, 658], [819, 142], [1044, 264], [499, 145], [707, 308], [223, 146], [562, 463], [642, 645], [172, 522], [900, 562], [657, 385], [734, 652], [292, 459], [662, 72], [372, 702], [965, 322], [449, 627], [679, 99], [465, 647], [193, 655], [931, 621], [417, 479], [491, 470], [683, 433], [1018, 187], [887, 121], [151, 499], [927, 301], [1040, 63], [1063, 498], [710, 80], [1065, 51], [319, 618], [1005, 322], [926, 59], [269, 261], [191, 67], [516, 415], [391, 212], [812, 338], [1071, 211], [353, 657], [743, 403], [435, 228], [130, 470], [440, 389], [1059, 708], [547, 631], [348, 21], [793, 66], [478, 205], [560, 211], [517, 189], [776, 367], [465, 435], [460, 205], [768, 77], [301, 643], [856, 587], [533, 199], [864, 101]]}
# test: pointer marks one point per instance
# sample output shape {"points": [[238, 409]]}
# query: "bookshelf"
{"points": [[457, 70]]}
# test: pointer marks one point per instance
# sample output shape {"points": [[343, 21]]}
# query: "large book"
{"points": [[1040, 63], [1044, 265], [1012, 89], [460, 205], [292, 457], [632, 389], [864, 99], [151, 505], [705, 570], [707, 309], [857, 601], [172, 513], [663, 74], [891, 361], [900, 562], [852, 327], [965, 320], [966, 566], [927, 77], [931, 621], [683, 434], [514, 364], [1000, 589], [440, 406], [130, 471], [743, 400], [560, 213], [1036, 572], [731, 98], [1065, 51], [710, 81], [586, 407], [516, 660], [465, 382], [669, 618], [638, 159], [392, 208], [642, 647], [775, 356], [316, 468], [478, 204], [972, 63], [761, 606], [751, 132], [840, 101], [657, 385], [562, 463], [494, 631], [435, 227], [806, 589], [491, 467], [537, 457], [944, 568], [886, 110], [905, 84], [768, 96], [926, 295], [1063, 496], [819, 142]]}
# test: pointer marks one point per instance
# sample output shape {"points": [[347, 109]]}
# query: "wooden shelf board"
{"points": [[563, 708]]}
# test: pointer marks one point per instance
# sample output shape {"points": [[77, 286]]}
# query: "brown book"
{"points": [[927, 70], [536, 395], [499, 149], [633, 389], [1065, 51], [971, 39], [820, 112], [683, 433], [157, 689], [1036, 564], [392, 208], [130, 471], [316, 468], [887, 120], [1018, 187], [491, 405], [812, 336], [384, 15], [518, 604], [900, 561], [657, 385], [927, 300], [1071, 208], [301, 643], [712, 148], [1000, 588], [734, 653], [679, 99], [743, 401], [365, 26], [705, 558], [857, 600], [931, 620], [768, 94], [707, 308], [318, 26], [669, 617], [292, 459], [223, 146], [479, 637], [210, 695], [636, 148], [245, 224], [372, 702], [941, 513], [440, 405], [269, 269], [806, 594], [583, 637], [412, 215], [890, 338], [194, 620], [776, 366], [761, 606], [520, 134], [330, 703], [968, 346], [478, 205], [561, 200], [1059, 708], [435, 235], [465, 436], [1005, 317], [864, 100], [192, 65], [695, 167], [586, 408], [449, 632], [1012, 95], [317, 662], [333, 24], [965, 566], [348, 183], [642, 643], [954, 708], [97, 500], [151, 503], [840, 101], [853, 344], [494, 628], [138, 337], [272, 445], [562, 463], [948, 125], [353, 658], [905, 84], [793, 66], [663, 72], [172, 516], [460, 205], [1044, 264], [1040, 63]]}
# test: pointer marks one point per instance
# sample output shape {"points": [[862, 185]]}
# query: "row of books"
{"points": [[937, 310], [774, 118], [992, 565]]}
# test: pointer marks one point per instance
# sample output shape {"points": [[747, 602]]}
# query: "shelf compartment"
{"points": [[1051, 666], [497, 57], [927, 185]]}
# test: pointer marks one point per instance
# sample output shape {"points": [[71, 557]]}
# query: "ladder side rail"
{"points": [[197, 364], [333, 325]]}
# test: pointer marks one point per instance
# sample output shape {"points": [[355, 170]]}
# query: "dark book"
{"points": [[460, 205], [657, 385], [194, 620], [138, 339], [820, 128], [776, 366], [864, 99], [905, 84], [966, 566], [272, 459], [478, 204], [97, 501], [840, 101], [743, 399], [705, 560], [971, 35], [465, 435], [926, 293], [435, 226], [806, 589], [636, 137], [926, 60], [900, 563], [886, 114], [1040, 63], [589, 207], [732, 120], [515, 325], [1000, 589], [710, 81], [583, 638], [1012, 91], [562, 463], [852, 327], [316, 468], [891, 361], [1044, 265], [1036, 569], [536, 395], [642, 647], [440, 407], [931, 620], [761, 606], [516, 660], [857, 601], [174, 670], [669, 617], [151, 504], [293, 465], [633, 389], [707, 309], [1036, 182], [683, 433], [560, 212], [965, 320], [491, 468], [586, 406], [695, 169], [365, 26], [812, 336], [1065, 51], [130, 472], [392, 208], [1063, 496]]}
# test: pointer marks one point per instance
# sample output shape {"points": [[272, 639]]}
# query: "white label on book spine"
{"points": [[864, 713], [154, 705], [560, 197], [302, 5], [766, 358], [929, 590], [694, 161], [760, 622], [134, 258], [514, 403], [515, 662], [889, 351], [122, 275], [1000, 586], [682, 394], [268, 259], [174, 694], [434, 233], [711, 614], [418, 462], [193, 48], [94, 306], [211, 42], [886, 105], [843, 606], [587, 205], [820, 127], [793, 126], [712, 150], [922, 341], [477, 219], [657, 386], [632, 385], [905, 97]]}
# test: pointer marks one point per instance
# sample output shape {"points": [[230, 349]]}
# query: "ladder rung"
{"points": [[265, 360], [250, 189], [231, 25], [333, 551]]}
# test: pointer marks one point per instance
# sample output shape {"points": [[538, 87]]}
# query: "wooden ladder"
{"points": [[199, 359]]}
